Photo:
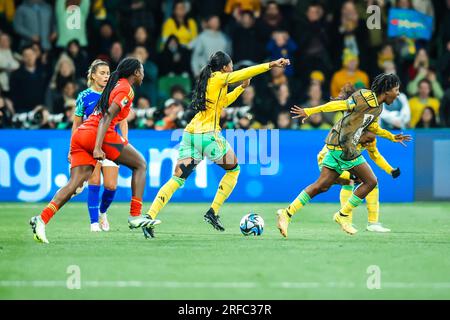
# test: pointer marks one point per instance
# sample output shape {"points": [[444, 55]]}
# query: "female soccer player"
{"points": [[97, 79], [202, 135], [362, 110], [96, 139]]}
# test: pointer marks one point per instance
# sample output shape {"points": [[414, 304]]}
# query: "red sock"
{"points": [[49, 212], [135, 206]]}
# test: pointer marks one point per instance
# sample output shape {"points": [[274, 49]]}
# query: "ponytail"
{"points": [[199, 96], [125, 69], [216, 62]]}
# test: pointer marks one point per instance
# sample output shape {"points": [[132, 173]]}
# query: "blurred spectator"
{"points": [[428, 119], [28, 85], [79, 57], [7, 12], [177, 92], [277, 77], [6, 111], [315, 98], [174, 59], [143, 115], [103, 41], [7, 62], [171, 109], [33, 22], [272, 18], [115, 55], [313, 44], [348, 74], [149, 86], [184, 28], [444, 65], [284, 101], [284, 120], [396, 115], [316, 121], [139, 14], [282, 46], [64, 72], [70, 27], [205, 8], [141, 37], [349, 33], [423, 100], [208, 42], [445, 109], [246, 40], [234, 7], [65, 121], [422, 71], [421, 62], [67, 94]]}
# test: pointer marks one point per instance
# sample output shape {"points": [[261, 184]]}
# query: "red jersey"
{"points": [[123, 96]]}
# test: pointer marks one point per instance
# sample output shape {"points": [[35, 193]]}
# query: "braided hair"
{"points": [[216, 62], [384, 82], [127, 67]]}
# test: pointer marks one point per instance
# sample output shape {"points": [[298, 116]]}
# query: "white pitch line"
{"points": [[218, 285]]}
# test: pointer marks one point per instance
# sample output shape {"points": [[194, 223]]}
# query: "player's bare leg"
{"points": [[131, 158], [78, 176], [326, 179]]}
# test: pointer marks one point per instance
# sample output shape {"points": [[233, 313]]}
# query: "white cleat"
{"points": [[104, 224], [141, 221], [377, 227], [38, 227], [95, 227]]}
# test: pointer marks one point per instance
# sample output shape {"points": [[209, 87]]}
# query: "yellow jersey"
{"points": [[218, 97]]}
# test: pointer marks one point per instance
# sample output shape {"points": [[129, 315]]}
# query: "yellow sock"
{"points": [[164, 195], [373, 205], [346, 193], [225, 188], [351, 204], [299, 202]]}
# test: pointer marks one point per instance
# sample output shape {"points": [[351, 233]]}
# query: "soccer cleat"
{"points": [[345, 223], [377, 227], [141, 221], [38, 227], [148, 229], [95, 227], [104, 224], [213, 220], [283, 222]]}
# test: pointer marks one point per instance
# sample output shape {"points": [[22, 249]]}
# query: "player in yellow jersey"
{"points": [[202, 137], [368, 142], [363, 108]]}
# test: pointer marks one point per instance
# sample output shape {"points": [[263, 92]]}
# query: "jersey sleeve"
{"points": [[122, 96], [233, 95], [243, 74], [337, 105], [375, 128], [79, 108], [376, 156]]}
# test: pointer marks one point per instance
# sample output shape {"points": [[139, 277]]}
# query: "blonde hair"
{"points": [[62, 59], [93, 68]]}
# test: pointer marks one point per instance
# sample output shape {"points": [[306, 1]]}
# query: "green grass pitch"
{"points": [[190, 260]]}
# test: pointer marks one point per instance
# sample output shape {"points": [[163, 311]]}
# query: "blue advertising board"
{"points": [[409, 23], [275, 166]]}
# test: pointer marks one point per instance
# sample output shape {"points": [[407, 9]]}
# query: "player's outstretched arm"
{"points": [[233, 95], [246, 73], [379, 160], [337, 105], [400, 138], [102, 128]]}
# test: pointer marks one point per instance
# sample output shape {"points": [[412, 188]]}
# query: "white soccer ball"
{"points": [[252, 224]]}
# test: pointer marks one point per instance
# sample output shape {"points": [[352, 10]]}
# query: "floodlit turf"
{"points": [[190, 260]]}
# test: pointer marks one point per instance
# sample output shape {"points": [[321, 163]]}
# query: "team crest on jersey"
{"points": [[124, 101]]}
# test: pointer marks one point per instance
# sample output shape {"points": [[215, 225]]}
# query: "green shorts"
{"points": [[334, 161], [200, 145]]}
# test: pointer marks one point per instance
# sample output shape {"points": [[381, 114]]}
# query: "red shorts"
{"points": [[83, 143]]}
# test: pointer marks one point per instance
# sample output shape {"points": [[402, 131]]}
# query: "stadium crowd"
{"points": [[43, 61]]}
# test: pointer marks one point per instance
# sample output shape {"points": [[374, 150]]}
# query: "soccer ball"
{"points": [[252, 223]]}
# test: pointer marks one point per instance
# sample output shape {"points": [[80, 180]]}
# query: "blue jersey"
{"points": [[86, 102]]}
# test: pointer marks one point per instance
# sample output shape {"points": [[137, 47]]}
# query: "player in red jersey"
{"points": [[95, 140]]}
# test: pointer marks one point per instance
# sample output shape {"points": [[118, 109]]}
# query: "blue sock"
{"points": [[107, 198], [93, 198]]}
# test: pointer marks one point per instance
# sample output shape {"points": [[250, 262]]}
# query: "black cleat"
{"points": [[213, 220], [149, 232]]}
